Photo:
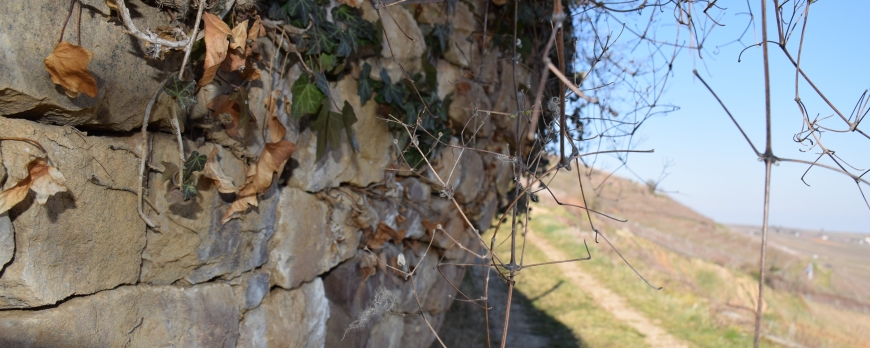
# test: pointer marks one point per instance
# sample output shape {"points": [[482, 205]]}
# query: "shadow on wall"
{"points": [[529, 327]]}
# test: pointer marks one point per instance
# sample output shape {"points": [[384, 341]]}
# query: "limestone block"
{"points": [[349, 293], [488, 208], [344, 165], [454, 225], [2, 171], [466, 121], [462, 19], [251, 288], [129, 316], [417, 333], [125, 80], [464, 27], [399, 25], [448, 76], [387, 333], [191, 244], [310, 238], [418, 194], [7, 240], [462, 169], [84, 240], [287, 318], [489, 70]]}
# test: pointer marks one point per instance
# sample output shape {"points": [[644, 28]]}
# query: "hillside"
{"points": [[706, 271]]}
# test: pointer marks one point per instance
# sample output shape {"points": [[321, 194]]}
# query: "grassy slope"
{"points": [[706, 271], [709, 291]]}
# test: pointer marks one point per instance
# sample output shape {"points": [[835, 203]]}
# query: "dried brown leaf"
{"points": [[234, 61], [14, 194], [257, 30], [213, 171], [271, 162], [247, 197], [216, 44], [43, 179], [368, 263], [276, 129], [46, 180], [352, 3], [228, 112], [239, 36], [68, 67], [259, 176], [375, 239]]}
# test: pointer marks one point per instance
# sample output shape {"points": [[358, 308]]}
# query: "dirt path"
{"points": [[655, 335]]}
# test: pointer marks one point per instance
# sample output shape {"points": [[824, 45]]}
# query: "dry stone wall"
{"points": [[85, 270]]}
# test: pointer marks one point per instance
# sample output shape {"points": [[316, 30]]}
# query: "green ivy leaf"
{"points": [[410, 110], [348, 118], [451, 7], [393, 94], [328, 126], [182, 91], [322, 38], [352, 18], [344, 48], [346, 14], [348, 42], [443, 32], [188, 190], [322, 84], [374, 36], [330, 29], [306, 97], [365, 87], [195, 163], [277, 12], [327, 61], [300, 8], [431, 74]]}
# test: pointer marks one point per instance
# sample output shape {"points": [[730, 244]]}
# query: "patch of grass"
{"points": [[676, 307], [553, 293]]}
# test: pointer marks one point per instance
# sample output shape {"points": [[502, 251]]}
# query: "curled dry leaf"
{"points": [[239, 36], [238, 52], [216, 44], [352, 3], [234, 61], [214, 172], [260, 176], [247, 197], [257, 30], [43, 179], [68, 67], [228, 112], [368, 264], [375, 239], [277, 131], [243, 50], [271, 162]]}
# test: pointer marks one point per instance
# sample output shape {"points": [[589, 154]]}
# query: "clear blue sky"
{"points": [[715, 171]]}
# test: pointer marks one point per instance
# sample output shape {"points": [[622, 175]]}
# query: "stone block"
{"points": [[191, 244], [130, 316], [310, 238], [287, 318], [125, 79], [81, 241]]}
